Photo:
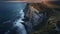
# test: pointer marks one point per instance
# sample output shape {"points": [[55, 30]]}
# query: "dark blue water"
{"points": [[9, 11], [9, 8]]}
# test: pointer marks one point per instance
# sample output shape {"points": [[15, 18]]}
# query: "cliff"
{"points": [[32, 12]]}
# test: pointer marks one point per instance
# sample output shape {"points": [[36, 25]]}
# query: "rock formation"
{"points": [[32, 13]]}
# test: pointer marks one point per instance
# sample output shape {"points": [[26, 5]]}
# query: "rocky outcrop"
{"points": [[35, 16], [38, 15]]}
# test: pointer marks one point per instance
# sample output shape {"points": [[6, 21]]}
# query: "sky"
{"points": [[53, 2], [30, 0], [35, 1]]}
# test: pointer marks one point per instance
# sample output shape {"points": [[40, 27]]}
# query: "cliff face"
{"points": [[38, 15], [35, 16]]}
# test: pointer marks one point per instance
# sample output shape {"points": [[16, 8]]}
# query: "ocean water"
{"points": [[9, 10]]}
